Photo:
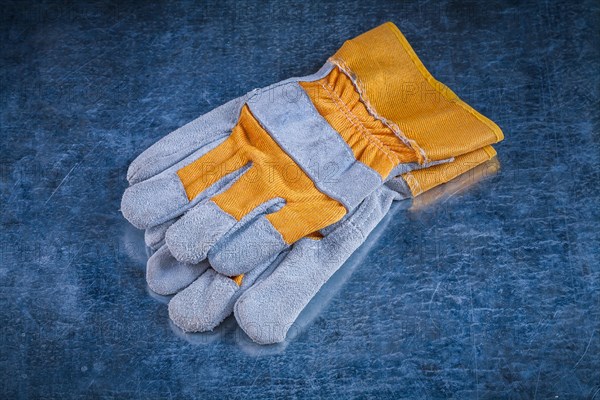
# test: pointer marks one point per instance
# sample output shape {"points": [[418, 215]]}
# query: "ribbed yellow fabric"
{"points": [[395, 83], [315, 235], [238, 279], [422, 180], [371, 141], [273, 174]]}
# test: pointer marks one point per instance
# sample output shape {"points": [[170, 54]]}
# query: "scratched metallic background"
{"points": [[489, 288]]}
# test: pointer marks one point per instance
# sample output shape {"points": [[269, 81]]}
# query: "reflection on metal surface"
{"points": [[132, 242], [219, 334], [229, 333], [457, 185], [158, 297]]}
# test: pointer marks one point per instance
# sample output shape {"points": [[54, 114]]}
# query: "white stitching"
{"points": [[395, 128], [363, 130]]}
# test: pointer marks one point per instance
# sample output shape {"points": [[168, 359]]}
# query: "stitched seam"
{"points": [[359, 214], [410, 177], [355, 227], [395, 128], [363, 130]]}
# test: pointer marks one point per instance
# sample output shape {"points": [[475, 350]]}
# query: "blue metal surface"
{"points": [[489, 291]]}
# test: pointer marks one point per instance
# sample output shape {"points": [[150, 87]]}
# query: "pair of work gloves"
{"points": [[253, 206]]}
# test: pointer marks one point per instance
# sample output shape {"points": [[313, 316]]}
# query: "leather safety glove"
{"points": [[272, 167], [268, 299]]}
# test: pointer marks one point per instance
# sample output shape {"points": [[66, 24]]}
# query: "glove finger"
{"points": [[204, 304], [210, 298], [154, 201], [190, 238], [207, 230], [254, 244], [165, 275], [184, 141], [267, 310]]}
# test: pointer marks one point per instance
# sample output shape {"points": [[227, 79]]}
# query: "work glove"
{"points": [[267, 300], [287, 161]]}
